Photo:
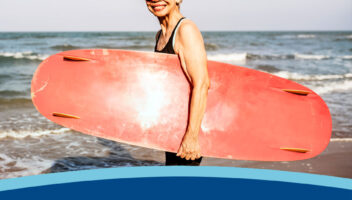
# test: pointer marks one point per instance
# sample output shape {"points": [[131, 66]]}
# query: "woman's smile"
{"points": [[158, 7]]}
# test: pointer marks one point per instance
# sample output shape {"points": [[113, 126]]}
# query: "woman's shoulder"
{"points": [[188, 25], [188, 29]]}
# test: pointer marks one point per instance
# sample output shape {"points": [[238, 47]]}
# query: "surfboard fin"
{"points": [[299, 92], [65, 115], [74, 58], [298, 150]]}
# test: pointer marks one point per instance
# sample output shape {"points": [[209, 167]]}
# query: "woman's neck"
{"points": [[169, 21]]}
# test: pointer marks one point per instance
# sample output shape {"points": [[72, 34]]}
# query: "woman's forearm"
{"points": [[197, 108]]}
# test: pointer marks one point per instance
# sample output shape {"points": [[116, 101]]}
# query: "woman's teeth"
{"points": [[158, 8]]}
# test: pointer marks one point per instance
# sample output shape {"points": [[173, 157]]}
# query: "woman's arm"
{"points": [[191, 51]]}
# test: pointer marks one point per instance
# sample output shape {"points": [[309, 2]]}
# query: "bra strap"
{"points": [[175, 31]]}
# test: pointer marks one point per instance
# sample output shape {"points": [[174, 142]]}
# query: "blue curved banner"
{"points": [[175, 182]]}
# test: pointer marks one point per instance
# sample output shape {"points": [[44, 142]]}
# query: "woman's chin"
{"points": [[160, 14]]}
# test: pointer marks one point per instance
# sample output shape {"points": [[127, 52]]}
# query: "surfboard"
{"points": [[142, 98]]}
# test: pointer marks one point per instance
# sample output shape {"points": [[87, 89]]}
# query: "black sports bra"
{"points": [[169, 47]]}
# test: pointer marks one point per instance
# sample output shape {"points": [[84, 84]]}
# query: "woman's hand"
{"points": [[189, 148]]}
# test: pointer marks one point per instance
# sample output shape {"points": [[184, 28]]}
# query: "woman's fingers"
{"points": [[188, 154], [181, 152], [194, 156], [182, 155], [198, 155]]}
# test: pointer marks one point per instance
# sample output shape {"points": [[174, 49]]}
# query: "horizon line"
{"points": [[72, 31]]}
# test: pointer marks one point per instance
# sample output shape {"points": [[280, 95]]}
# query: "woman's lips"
{"points": [[158, 8]]}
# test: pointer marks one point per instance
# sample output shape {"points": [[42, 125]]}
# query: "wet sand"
{"points": [[336, 160]]}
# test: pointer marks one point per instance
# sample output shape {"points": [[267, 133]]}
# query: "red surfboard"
{"points": [[142, 98]]}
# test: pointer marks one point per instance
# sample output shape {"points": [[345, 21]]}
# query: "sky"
{"points": [[133, 15]]}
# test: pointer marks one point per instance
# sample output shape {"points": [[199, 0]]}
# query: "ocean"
{"points": [[30, 144]]}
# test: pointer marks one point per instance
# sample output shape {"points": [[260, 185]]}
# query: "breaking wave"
{"points": [[306, 36], [22, 55], [232, 57], [24, 133], [340, 86], [333, 82], [315, 77], [311, 56]]}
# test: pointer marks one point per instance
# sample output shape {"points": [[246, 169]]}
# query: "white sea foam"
{"points": [[338, 83], [347, 57], [305, 36], [341, 140], [11, 167], [349, 36], [230, 58], [24, 55], [315, 77], [23, 134], [242, 57], [340, 86], [311, 57]]}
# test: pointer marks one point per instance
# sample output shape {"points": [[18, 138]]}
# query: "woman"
{"points": [[181, 36]]}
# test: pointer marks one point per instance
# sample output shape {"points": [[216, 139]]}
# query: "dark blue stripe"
{"points": [[177, 188], [177, 171]]}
